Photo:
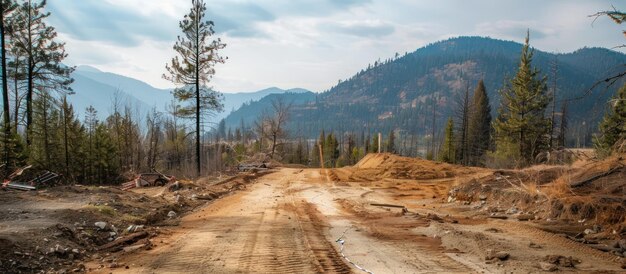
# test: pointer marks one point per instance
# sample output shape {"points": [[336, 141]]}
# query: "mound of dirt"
{"points": [[586, 202], [386, 165]]}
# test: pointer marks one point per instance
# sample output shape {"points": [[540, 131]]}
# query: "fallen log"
{"points": [[120, 242], [388, 205]]}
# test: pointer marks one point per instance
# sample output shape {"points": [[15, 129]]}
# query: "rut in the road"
{"points": [[275, 247], [326, 257]]}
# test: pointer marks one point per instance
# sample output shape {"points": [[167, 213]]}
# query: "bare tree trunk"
{"points": [[5, 92]]}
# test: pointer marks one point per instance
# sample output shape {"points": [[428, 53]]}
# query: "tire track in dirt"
{"points": [[326, 256]]}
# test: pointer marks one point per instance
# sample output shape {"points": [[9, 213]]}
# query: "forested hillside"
{"points": [[400, 93]]}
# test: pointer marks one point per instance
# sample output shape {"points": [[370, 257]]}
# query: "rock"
{"points": [[548, 267], [101, 225], [589, 231], [482, 197], [113, 265], [75, 251], [171, 214], [534, 245], [622, 244]]}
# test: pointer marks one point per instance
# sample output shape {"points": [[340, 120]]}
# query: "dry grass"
{"points": [[559, 188]]}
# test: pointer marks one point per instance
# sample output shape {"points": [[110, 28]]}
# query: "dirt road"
{"points": [[290, 221]]}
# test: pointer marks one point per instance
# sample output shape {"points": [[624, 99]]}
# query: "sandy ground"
{"points": [[290, 221]]}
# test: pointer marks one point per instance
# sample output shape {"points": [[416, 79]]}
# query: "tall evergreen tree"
{"points": [[613, 126], [463, 115], [479, 135], [522, 123], [448, 149], [91, 122], [35, 40], [194, 68], [46, 149], [72, 137]]}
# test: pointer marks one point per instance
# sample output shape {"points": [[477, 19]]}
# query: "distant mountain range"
{"points": [[251, 111], [399, 94], [98, 89]]}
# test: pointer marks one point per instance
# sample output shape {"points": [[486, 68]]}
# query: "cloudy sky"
{"points": [[312, 43]]}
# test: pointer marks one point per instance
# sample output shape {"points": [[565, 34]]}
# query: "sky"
{"points": [[312, 43]]}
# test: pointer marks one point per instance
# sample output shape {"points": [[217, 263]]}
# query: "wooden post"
{"points": [[321, 156], [380, 137]]}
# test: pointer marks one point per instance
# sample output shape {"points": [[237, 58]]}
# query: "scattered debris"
{"points": [[149, 180]]}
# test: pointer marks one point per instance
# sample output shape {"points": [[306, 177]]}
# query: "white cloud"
{"points": [[311, 43]]}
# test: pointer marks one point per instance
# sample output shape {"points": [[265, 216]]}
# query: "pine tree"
{"points": [[105, 160], [195, 68], [35, 40], [91, 123], [448, 150], [72, 135], [463, 113], [613, 125], [521, 122], [479, 135]]}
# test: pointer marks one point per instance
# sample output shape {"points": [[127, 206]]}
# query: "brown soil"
{"points": [[387, 214], [54, 230]]}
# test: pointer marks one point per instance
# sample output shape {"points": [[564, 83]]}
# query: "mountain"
{"points": [[98, 89], [249, 112], [147, 94], [400, 93], [233, 101]]}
